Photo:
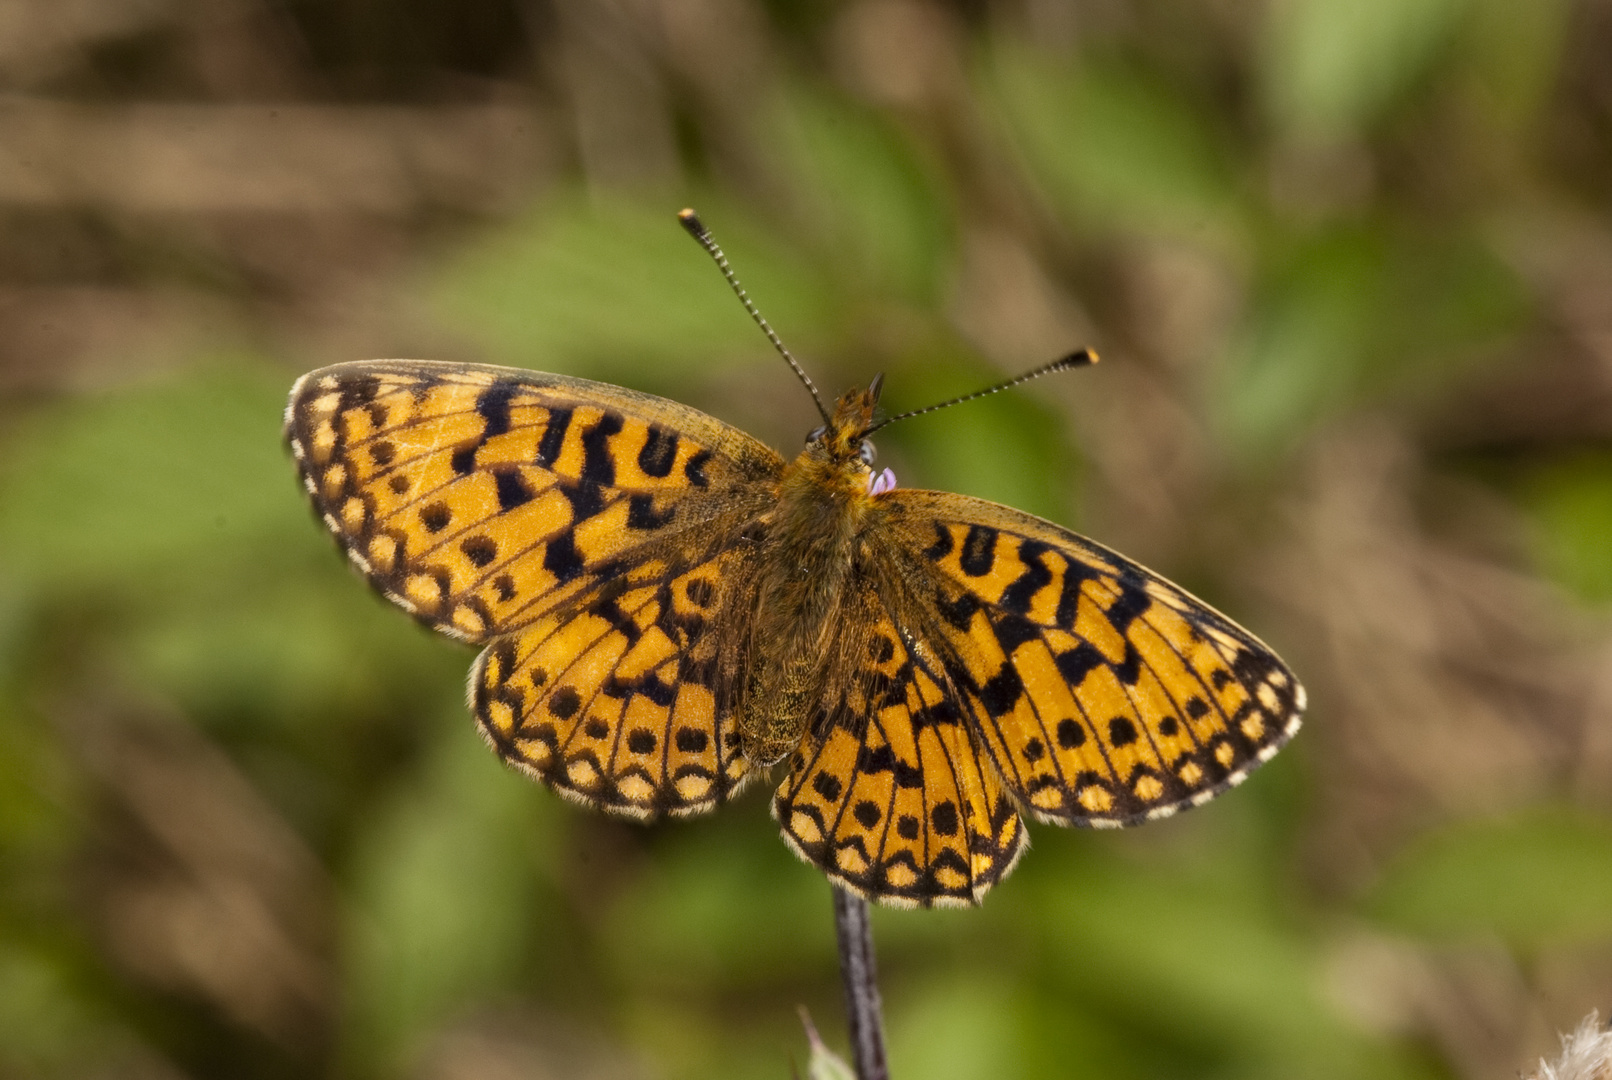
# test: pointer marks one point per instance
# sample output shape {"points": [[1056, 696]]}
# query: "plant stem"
{"points": [[855, 933]]}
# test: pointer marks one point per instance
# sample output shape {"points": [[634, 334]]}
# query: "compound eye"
{"points": [[868, 453], [816, 433]]}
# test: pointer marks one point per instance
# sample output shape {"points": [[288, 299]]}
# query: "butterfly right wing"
{"points": [[1105, 694]]}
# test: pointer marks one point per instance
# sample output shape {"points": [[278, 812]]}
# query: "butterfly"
{"points": [[669, 608]]}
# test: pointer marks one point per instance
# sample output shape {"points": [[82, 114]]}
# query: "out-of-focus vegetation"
{"points": [[1349, 265]]}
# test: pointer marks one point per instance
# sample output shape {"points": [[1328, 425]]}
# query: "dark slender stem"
{"points": [[855, 932]]}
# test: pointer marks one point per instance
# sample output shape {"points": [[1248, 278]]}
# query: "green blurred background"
{"points": [[1349, 266]]}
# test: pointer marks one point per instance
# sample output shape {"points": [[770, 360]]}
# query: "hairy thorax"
{"points": [[814, 533]]}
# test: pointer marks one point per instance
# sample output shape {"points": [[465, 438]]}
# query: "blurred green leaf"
{"points": [[1537, 880], [1112, 146], [449, 903], [300, 640], [1516, 54], [108, 486], [679, 924], [1356, 312], [1572, 505], [1301, 353], [43, 1025], [1204, 958], [618, 290], [962, 1028], [879, 218], [1332, 67]]}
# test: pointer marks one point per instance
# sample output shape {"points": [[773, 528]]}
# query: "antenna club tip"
{"points": [[1081, 357], [691, 221]]}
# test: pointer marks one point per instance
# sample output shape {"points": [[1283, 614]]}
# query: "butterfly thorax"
{"points": [[813, 534]]}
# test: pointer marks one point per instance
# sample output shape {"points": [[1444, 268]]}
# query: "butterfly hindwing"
{"points": [[1104, 694], [479, 497], [889, 792], [623, 702]]}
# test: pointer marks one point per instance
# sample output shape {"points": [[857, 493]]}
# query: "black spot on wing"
{"points": [[359, 391], [659, 452], [480, 550], [1074, 575], [1079, 662], [942, 545], [884, 760], [1131, 603], [1121, 732], [958, 612], [641, 513], [553, 440], [1002, 691], [493, 405], [435, 517], [586, 499], [511, 488], [1013, 631], [979, 551], [1129, 669], [562, 559], [694, 469], [1018, 595], [598, 466]]}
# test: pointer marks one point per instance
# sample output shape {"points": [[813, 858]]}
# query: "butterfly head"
{"points": [[843, 440]]}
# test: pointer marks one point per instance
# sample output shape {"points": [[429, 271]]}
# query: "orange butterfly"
{"points": [[669, 607]]}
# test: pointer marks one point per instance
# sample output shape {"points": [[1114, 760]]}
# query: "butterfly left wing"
{"points": [[1104, 694], [888, 793], [481, 498]]}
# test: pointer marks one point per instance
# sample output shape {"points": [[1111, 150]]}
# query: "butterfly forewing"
{"points": [[480, 498], [1104, 694]]}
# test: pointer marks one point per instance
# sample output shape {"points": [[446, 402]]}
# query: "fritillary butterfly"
{"points": [[669, 607]]}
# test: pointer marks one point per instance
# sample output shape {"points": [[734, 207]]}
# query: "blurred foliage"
{"points": [[246, 829]]}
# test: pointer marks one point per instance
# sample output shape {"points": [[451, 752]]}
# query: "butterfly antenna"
{"points": [[696, 228], [1075, 359]]}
